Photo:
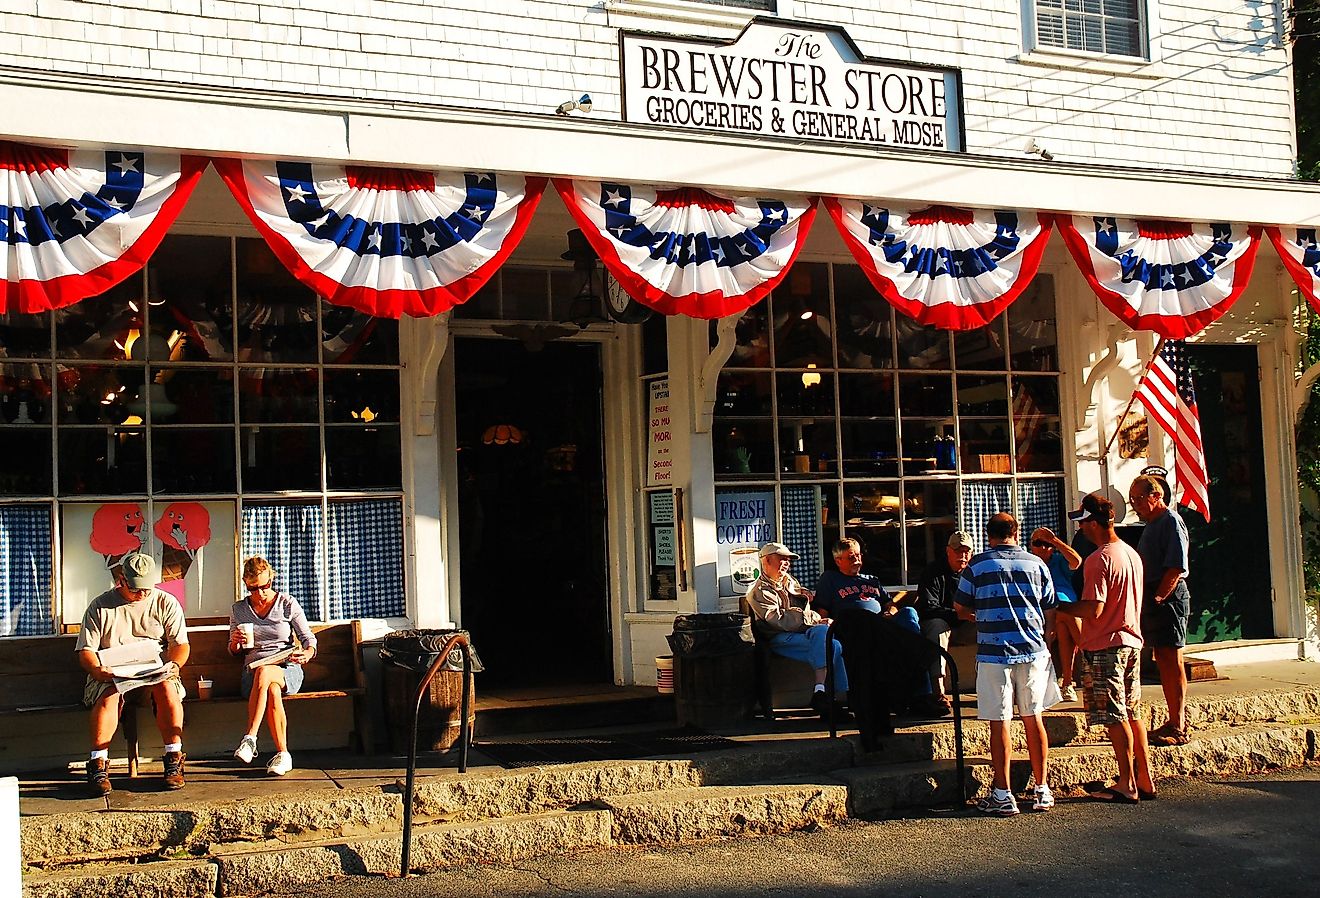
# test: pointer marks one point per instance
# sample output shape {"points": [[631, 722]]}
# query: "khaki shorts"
{"points": [[95, 690], [1111, 680], [1030, 685]]}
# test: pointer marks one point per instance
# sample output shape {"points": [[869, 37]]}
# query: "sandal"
{"points": [[1113, 796]]}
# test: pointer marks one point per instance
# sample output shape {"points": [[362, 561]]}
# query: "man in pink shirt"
{"points": [[1110, 613]]}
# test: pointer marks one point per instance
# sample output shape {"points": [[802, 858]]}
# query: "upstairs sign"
{"points": [[790, 80]]}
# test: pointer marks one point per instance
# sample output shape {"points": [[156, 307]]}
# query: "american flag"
{"points": [[1028, 420], [1170, 399]]}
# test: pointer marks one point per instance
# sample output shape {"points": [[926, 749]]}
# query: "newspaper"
{"points": [[277, 658], [135, 664]]}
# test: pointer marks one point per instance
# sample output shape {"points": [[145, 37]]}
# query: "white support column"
{"points": [[11, 854], [694, 468]]}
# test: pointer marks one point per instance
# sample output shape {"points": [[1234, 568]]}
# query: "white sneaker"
{"points": [[1069, 693], [281, 764], [1043, 800], [247, 749]]}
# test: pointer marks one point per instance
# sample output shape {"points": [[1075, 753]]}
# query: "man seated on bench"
{"points": [[133, 611], [782, 616], [934, 602], [886, 655]]}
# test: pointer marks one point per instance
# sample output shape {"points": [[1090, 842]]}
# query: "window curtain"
{"points": [[289, 537], [980, 500], [365, 559], [802, 531], [25, 570], [1040, 503]]}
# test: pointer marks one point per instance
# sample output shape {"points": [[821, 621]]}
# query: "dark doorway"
{"points": [[533, 559], [1230, 557]]}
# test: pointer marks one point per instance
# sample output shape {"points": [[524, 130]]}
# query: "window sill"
{"points": [[1090, 62], [642, 12]]}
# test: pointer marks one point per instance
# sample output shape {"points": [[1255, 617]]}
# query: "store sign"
{"points": [[791, 80], [659, 449], [743, 523]]}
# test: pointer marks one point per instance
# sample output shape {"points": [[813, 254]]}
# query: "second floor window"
{"points": [[1111, 27]]}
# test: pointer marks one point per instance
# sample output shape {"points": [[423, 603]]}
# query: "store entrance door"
{"points": [[532, 537]]}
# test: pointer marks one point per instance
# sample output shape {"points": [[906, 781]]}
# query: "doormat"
{"points": [[576, 749]]}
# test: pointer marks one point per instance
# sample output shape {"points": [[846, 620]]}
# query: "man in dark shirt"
{"points": [[934, 602]]}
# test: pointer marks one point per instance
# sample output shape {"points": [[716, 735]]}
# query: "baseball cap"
{"points": [[777, 549], [1095, 507], [139, 570], [961, 539]]}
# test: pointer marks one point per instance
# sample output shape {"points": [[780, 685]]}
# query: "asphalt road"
{"points": [[1230, 837]]}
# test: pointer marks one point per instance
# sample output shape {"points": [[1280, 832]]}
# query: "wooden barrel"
{"points": [[440, 718], [717, 691]]}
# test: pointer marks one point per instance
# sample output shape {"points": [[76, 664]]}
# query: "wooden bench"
{"points": [[41, 674]]}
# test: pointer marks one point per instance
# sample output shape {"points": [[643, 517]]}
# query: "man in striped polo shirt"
{"points": [[1008, 592]]}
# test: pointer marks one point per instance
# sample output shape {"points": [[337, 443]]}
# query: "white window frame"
{"points": [[1150, 65]]}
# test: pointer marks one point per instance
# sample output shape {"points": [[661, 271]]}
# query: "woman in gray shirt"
{"points": [[275, 619]]}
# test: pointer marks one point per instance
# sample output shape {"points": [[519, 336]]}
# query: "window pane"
{"points": [[1036, 424], [525, 294], [1049, 29], [25, 570], [361, 396], [484, 304], [191, 291], [865, 321], [1032, 330], [803, 327], [984, 446], [290, 536], [27, 461], [278, 395], [25, 396], [928, 446], [365, 536], [95, 394], [25, 336], [97, 328], [350, 337], [192, 396], [1123, 38], [280, 458], [982, 348], [743, 447], [931, 509], [872, 504], [655, 344], [805, 393], [982, 395], [925, 395], [881, 550], [802, 446], [192, 460], [752, 333], [362, 457], [921, 347], [869, 448], [276, 313], [103, 461], [866, 395], [743, 393]]}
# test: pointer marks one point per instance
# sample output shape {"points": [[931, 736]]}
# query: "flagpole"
{"points": [[1104, 456]]}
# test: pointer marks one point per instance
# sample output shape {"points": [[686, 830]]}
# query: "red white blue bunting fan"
{"points": [[1301, 256], [387, 242], [690, 251], [74, 223], [1168, 277], [943, 266]]}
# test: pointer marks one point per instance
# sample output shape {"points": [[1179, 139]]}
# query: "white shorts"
{"points": [[1031, 685]]}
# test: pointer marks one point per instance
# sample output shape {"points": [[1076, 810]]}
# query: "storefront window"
{"points": [[881, 429], [155, 415]]}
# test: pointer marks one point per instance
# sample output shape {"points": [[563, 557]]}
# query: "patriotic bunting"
{"points": [[1301, 256], [1169, 396], [1165, 276], [384, 241], [947, 267], [690, 251], [74, 223]]}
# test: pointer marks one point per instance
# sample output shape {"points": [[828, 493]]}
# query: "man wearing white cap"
{"points": [[783, 617], [934, 602], [134, 610]]}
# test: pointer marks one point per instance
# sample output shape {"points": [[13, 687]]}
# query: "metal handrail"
{"points": [[464, 734], [959, 755]]}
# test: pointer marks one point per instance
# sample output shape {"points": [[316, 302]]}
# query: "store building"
{"points": [[562, 481]]}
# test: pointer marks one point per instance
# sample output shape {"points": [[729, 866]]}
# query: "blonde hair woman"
{"points": [[276, 618]]}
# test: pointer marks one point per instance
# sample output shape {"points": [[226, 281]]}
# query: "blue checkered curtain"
{"points": [[801, 510], [289, 537], [365, 559], [25, 570], [1040, 504], [980, 500]]}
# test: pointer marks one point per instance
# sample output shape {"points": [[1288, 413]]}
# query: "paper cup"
{"points": [[248, 640], [203, 689]]}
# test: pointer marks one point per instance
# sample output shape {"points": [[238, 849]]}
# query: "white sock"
{"points": [[174, 746], [1001, 793], [99, 754], [820, 687]]}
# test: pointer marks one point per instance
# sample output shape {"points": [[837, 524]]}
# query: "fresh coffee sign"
{"points": [[778, 79]]}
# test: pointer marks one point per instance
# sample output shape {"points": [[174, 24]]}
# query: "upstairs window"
{"points": [[1110, 27]]}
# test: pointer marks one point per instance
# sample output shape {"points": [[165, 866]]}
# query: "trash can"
{"points": [[407, 656], [714, 669]]}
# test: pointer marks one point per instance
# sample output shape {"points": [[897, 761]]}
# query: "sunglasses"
{"points": [[1040, 544], [260, 587]]}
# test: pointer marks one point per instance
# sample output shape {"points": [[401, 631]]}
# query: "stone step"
{"points": [[685, 815]]}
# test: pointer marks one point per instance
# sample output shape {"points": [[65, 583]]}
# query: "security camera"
{"points": [[1034, 149], [582, 104]]}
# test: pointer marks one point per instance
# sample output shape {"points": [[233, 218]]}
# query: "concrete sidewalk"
{"points": [[235, 831]]}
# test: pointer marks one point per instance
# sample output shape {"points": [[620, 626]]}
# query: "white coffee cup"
{"points": [[248, 640], [203, 689]]}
